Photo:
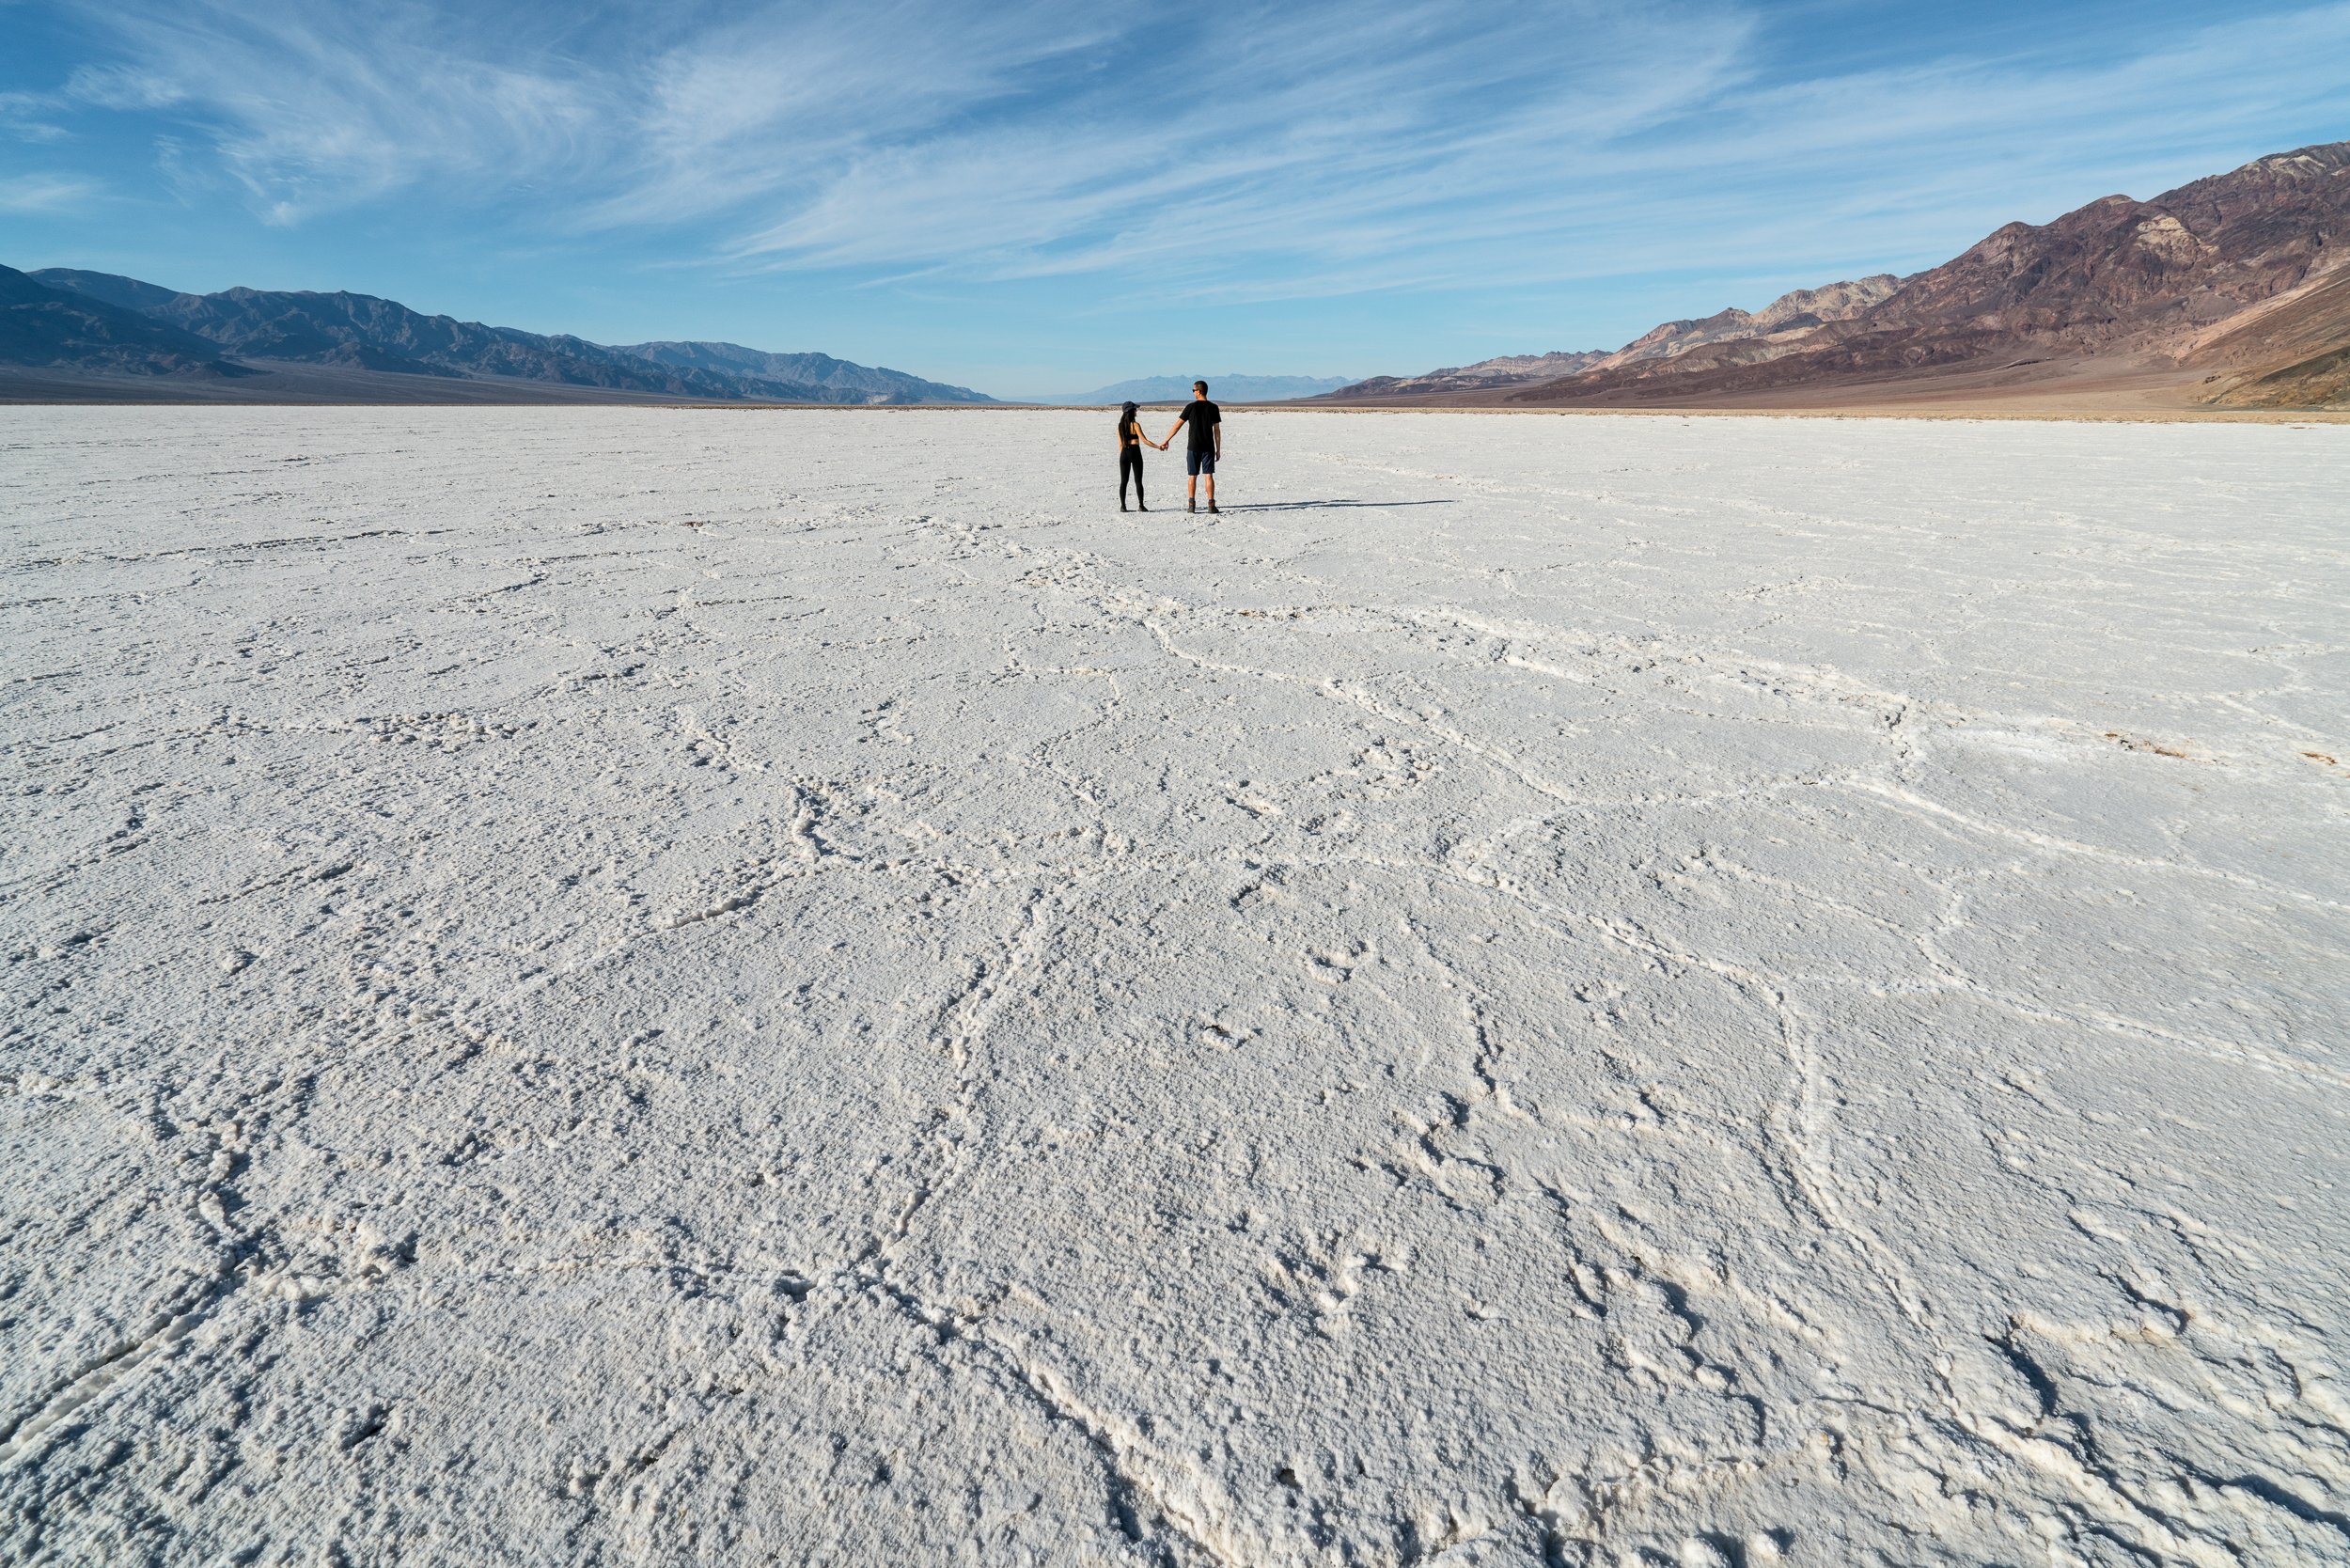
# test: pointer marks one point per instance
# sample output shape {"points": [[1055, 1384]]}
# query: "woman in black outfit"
{"points": [[1131, 441]]}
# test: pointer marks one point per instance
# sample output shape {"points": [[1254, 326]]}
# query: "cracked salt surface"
{"points": [[662, 987]]}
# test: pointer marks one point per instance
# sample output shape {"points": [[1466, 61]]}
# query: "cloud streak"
{"points": [[1244, 153], [46, 192], [312, 110], [1313, 147]]}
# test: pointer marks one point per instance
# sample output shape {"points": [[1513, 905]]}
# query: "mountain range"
{"points": [[64, 330], [2230, 291], [1177, 389]]}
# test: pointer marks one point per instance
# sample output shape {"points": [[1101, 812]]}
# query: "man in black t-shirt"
{"points": [[1207, 444]]}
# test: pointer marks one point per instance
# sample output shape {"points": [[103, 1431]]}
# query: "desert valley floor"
{"points": [[656, 986]]}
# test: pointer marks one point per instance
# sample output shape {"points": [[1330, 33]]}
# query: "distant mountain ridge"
{"points": [[2231, 290], [1177, 389], [1795, 311], [1519, 370], [46, 327], [383, 337], [840, 380]]}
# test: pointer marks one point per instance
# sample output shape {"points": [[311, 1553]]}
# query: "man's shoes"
{"points": [[1213, 508], [1139, 507], [1121, 506], [1191, 506]]}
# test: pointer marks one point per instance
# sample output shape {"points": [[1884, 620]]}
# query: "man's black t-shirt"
{"points": [[1201, 418]]}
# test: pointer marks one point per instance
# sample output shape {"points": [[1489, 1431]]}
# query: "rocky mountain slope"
{"points": [[1486, 375], [363, 332], [2232, 276], [1795, 311], [2298, 344], [45, 327], [2152, 283], [366, 332], [836, 380]]}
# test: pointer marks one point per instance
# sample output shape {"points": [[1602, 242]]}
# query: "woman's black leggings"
{"points": [[1130, 463]]}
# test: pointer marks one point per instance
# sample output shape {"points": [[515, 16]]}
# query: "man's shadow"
{"points": [[1313, 505]]}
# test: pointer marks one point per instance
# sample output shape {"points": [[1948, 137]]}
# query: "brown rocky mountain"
{"points": [[2228, 291], [1519, 370], [2298, 346], [1797, 311]]}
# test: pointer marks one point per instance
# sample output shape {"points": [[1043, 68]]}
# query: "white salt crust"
{"points": [[659, 987]]}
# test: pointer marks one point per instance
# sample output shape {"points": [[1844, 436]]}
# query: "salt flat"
{"points": [[637, 986]]}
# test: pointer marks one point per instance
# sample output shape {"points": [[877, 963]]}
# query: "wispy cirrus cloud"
{"points": [[315, 109], [1404, 157], [644, 115], [839, 134], [121, 86], [1316, 142], [30, 116], [1241, 151], [776, 104], [46, 192]]}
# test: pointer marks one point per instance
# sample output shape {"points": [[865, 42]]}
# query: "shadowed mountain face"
{"points": [[839, 379], [363, 332], [2232, 275], [48, 327], [127, 292]]}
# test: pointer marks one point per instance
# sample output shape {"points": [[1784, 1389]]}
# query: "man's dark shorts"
{"points": [[1198, 462]]}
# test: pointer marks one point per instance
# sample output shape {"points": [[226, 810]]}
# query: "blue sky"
{"points": [[1033, 196]]}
